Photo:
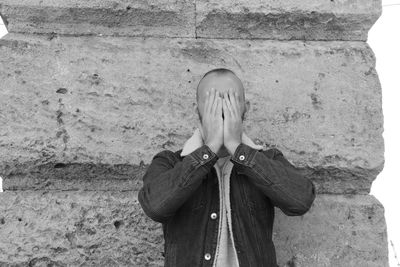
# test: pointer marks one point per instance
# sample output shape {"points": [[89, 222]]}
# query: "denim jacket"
{"points": [[182, 193]]}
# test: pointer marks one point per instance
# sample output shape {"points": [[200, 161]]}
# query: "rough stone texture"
{"points": [[86, 114], [294, 19], [91, 17], [110, 229], [283, 20], [341, 230], [104, 100], [55, 228]]}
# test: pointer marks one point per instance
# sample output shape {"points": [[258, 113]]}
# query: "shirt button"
{"points": [[213, 215], [207, 256], [241, 157], [205, 156]]}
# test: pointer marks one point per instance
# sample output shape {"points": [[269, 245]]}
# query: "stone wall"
{"points": [[91, 90]]}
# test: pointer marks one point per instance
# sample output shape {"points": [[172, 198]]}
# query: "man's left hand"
{"points": [[232, 121]]}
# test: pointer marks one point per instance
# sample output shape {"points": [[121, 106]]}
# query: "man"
{"points": [[215, 197]]}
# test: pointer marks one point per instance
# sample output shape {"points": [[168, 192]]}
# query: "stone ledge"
{"points": [[110, 229], [93, 100], [100, 17], [76, 176], [122, 177], [286, 20], [238, 19]]}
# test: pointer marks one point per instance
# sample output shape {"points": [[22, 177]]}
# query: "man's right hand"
{"points": [[212, 124]]}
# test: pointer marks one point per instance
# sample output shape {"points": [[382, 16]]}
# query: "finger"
{"points": [[225, 108], [215, 106], [207, 102], [228, 104], [219, 110], [219, 107], [232, 100], [212, 100], [238, 103], [235, 103]]}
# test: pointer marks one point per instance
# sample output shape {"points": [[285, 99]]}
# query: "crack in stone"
{"points": [[62, 132], [195, 19]]}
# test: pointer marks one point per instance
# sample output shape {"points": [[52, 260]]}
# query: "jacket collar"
{"points": [[196, 141]]}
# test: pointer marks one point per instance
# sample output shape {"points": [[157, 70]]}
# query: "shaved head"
{"points": [[221, 79]]}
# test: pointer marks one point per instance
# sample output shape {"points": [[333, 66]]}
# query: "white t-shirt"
{"points": [[226, 253]]}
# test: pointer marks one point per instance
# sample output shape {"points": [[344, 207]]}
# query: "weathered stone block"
{"points": [[70, 228], [93, 17], [119, 101], [338, 230], [67, 228], [283, 20]]}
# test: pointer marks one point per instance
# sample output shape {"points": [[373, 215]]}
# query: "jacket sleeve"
{"points": [[167, 185], [277, 178]]}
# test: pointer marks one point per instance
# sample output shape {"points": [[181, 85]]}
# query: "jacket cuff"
{"points": [[244, 155], [203, 156]]}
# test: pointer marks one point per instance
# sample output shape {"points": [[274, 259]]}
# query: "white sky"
{"points": [[384, 39]]}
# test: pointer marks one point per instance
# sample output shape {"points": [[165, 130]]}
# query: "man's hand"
{"points": [[212, 124], [232, 121]]}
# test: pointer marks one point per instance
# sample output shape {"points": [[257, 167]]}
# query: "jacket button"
{"points": [[207, 256], [213, 215], [205, 156], [241, 157]]}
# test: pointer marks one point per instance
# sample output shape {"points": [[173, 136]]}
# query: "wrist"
{"points": [[213, 148], [232, 147]]}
